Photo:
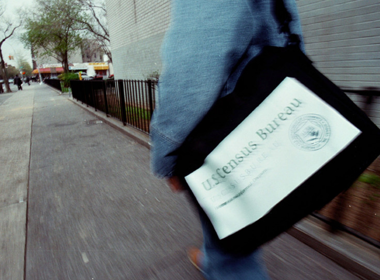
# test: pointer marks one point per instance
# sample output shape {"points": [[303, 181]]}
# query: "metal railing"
{"points": [[133, 103], [54, 83], [130, 101]]}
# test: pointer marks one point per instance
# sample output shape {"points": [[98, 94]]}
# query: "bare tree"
{"points": [[94, 21], [7, 30]]}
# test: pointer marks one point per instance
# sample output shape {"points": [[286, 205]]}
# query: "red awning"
{"points": [[48, 70]]}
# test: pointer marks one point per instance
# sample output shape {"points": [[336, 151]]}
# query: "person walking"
{"points": [[18, 82], [27, 80], [205, 49]]}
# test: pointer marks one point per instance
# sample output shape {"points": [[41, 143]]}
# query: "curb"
{"points": [[351, 253], [136, 135]]}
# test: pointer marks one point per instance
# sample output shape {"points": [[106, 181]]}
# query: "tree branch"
{"points": [[10, 35]]}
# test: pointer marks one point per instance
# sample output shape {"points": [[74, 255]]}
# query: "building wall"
{"points": [[91, 51], [92, 56], [76, 56], [137, 29], [342, 37]]}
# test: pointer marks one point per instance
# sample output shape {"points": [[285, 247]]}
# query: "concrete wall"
{"points": [[137, 28]]}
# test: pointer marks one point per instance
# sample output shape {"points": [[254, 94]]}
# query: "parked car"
{"points": [[98, 77], [87, 78], [84, 76]]}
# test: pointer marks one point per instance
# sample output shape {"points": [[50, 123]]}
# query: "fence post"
{"points": [[93, 97], [105, 97], [72, 91], [84, 93], [122, 102], [150, 97]]}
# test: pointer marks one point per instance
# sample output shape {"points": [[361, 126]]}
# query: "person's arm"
{"points": [[206, 46], [202, 46]]}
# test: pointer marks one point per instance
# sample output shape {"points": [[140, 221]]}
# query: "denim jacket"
{"points": [[207, 45]]}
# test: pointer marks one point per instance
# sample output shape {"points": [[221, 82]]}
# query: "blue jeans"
{"points": [[219, 265]]}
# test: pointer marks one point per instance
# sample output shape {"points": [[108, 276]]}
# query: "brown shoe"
{"points": [[195, 256]]}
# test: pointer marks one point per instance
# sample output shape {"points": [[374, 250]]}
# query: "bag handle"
{"points": [[283, 17]]}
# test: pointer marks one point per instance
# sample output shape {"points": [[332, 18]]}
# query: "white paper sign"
{"points": [[284, 141]]}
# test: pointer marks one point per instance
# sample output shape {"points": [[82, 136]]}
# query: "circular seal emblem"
{"points": [[309, 132]]}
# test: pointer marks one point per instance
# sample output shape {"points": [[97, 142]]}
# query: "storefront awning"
{"points": [[48, 70], [78, 67], [98, 67]]}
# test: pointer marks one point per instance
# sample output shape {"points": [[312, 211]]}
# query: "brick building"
{"points": [[342, 37]]}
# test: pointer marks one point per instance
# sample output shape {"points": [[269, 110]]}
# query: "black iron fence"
{"points": [[132, 102], [54, 83]]}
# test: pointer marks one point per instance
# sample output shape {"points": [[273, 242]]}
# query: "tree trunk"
{"points": [[5, 78], [65, 63]]}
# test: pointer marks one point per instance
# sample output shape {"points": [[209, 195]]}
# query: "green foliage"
{"points": [[65, 89], [67, 77], [53, 31], [372, 179], [10, 72], [136, 113], [24, 66]]}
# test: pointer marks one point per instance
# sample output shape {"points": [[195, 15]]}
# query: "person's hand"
{"points": [[175, 184]]}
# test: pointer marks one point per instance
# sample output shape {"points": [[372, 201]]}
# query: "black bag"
{"points": [[259, 79]]}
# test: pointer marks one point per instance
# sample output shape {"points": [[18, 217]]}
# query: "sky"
{"points": [[13, 46]]}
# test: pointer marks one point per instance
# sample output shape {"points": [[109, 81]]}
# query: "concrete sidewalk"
{"points": [[16, 114], [77, 201]]}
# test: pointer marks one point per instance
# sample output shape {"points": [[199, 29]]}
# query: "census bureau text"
{"points": [[222, 172]]}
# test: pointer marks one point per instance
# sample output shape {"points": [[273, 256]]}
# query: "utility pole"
{"points": [[38, 68]]}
